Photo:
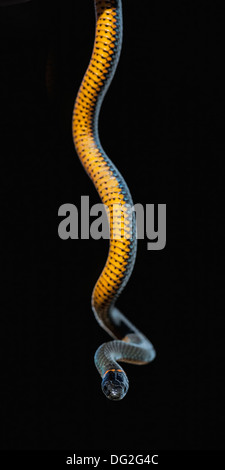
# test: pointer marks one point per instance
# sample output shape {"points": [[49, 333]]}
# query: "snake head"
{"points": [[115, 385]]}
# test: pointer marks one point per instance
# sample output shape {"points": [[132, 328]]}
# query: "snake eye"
{"points": [[115, 385]]}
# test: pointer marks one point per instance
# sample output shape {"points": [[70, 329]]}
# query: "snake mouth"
{"points": [[112, 392], [115, 385]]}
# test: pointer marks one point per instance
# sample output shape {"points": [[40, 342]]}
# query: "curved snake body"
{"points": [[129, 344]]}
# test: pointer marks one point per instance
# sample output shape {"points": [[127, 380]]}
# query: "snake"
{"points": [[128, 344]]}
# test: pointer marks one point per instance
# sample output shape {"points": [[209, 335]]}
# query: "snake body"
{"points": [[129, 344]]}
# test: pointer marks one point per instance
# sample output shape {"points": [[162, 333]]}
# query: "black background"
{"points": [[160, 124]]}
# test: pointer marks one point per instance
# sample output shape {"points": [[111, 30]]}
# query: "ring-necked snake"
{"points": [[129, 344]]}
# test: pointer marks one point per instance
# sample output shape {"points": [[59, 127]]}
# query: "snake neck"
{"points": [[108, 181]]}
